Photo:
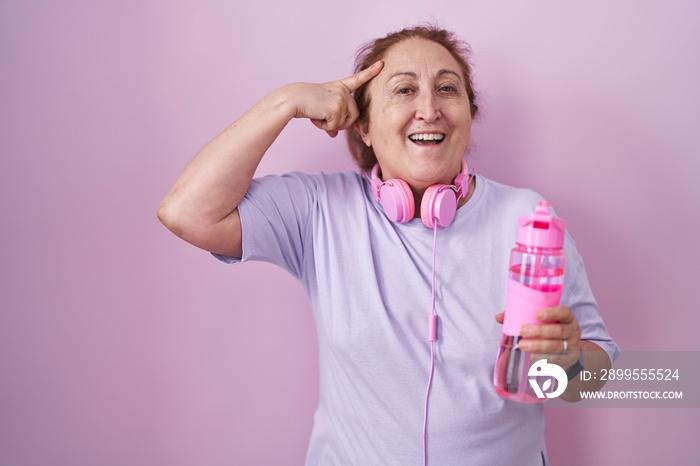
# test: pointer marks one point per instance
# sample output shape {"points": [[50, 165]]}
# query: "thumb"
{"points": [[354, 82], [499, 317]]}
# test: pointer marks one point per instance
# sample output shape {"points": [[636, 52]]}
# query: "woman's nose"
{"points": [[427, 107]]}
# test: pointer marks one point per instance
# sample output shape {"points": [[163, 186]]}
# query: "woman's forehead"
{"points": [[413, 57]]}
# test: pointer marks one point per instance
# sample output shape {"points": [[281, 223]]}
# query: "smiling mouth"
{"points": [[427, 138]]}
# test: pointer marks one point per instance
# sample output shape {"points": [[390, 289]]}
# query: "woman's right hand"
{"points": [[330, 106]]}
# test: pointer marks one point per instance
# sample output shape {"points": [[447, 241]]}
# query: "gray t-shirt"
{"points": [[369, 285]]}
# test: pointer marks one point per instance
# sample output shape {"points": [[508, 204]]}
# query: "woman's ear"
{"points": [[361, 128]]}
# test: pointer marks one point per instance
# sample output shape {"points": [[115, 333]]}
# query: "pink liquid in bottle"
{"points": [[535, 281]]}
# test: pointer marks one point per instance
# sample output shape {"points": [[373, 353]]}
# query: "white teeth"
{"points": [[427, 137]]}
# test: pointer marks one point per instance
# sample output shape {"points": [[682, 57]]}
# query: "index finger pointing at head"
{"points": [[358, 79]]}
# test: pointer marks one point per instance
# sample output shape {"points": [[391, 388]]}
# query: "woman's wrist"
{"points": [[284, 101]]}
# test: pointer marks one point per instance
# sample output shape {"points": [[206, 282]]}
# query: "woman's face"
{"points": [[419, 117]]}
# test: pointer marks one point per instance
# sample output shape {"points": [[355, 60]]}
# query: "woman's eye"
{"points": [[405, 90], [448, 89]]}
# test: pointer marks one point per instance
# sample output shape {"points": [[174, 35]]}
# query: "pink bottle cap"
{"points": [[541, 229]]}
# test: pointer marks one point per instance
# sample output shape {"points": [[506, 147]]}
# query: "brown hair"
{"points": [[374, 50]]}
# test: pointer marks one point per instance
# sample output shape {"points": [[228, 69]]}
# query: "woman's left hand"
{"points": [[558, 338]]}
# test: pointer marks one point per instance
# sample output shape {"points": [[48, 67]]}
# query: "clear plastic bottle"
{"points": [[535, 281]]}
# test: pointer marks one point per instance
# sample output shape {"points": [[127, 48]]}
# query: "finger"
{"points": [[347, 120], [352, 83], [322, 124], [330, 123], [564, 361], [546, 347], [558, 331], [551, 350], [338, 121], [561, 314], [499, 317], [353, 113]]}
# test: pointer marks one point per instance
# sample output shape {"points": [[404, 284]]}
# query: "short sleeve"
{"points": [[578, 296], [275, 215]]}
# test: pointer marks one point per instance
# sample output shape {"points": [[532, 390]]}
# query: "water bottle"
{"points": [[535, 281]]}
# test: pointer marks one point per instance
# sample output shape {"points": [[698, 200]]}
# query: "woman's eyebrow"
{"points": [[444, 72], [413, 75], [410, 74]]}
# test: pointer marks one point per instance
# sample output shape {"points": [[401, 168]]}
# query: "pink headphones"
{"points": [[439, 204]]}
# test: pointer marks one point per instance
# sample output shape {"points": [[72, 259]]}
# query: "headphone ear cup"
{"points": [[396, 198], [439, 206]]}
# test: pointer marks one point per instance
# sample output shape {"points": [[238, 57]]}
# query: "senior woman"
{"points": [[358, 243]]}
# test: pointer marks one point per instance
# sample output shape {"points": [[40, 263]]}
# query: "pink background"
{"points": [[122, 345]]}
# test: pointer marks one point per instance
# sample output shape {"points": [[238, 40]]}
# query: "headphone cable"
{"points": [[432, 336]]}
